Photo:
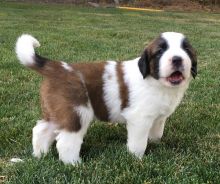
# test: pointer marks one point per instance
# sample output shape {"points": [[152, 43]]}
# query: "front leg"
{"points": [[156, 131], [138, 136]]}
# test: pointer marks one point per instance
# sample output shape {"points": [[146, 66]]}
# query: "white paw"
{"points": [[68, 146], [71, 161], [137, 151], [39, 150], [37, 154]]}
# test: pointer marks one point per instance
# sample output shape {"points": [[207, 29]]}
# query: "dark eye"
{"points": [[185, 45], [160, 51], [163, 46]]}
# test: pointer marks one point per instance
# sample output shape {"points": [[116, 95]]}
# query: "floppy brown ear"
{"points": [[194, 69], [193, 58], [144, 64]]}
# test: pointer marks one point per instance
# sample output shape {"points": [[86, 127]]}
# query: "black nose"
{"points": [[177, 61]]}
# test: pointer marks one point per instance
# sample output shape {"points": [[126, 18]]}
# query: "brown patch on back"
{"points": [[60, 93], [92, 74], [123, 89], [48, 68], [63, 90]]}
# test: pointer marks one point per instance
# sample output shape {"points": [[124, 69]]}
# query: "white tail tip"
{"points": [[25, 49]]}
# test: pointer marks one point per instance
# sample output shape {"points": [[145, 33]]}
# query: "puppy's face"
{"points": [[170, 59]]}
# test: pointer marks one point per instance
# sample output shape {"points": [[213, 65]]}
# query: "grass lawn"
{"points": [[190, 148]]}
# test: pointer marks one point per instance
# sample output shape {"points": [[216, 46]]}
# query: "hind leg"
{"points": [[68, 141], [43, 137]]}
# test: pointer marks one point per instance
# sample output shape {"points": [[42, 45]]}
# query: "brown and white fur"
{"points": [[142, 93]]}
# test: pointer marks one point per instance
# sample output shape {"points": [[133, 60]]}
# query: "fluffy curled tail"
{"points": [[26, 54], [25, 49]]}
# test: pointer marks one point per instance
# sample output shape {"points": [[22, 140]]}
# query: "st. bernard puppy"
{"points": [[142, 93]]}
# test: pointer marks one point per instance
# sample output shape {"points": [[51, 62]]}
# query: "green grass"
{"points": [[190, 148]]}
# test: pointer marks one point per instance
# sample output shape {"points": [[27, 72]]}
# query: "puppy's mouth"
{"points": [[175, 78]]}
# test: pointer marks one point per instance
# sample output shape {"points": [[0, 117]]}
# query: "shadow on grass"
{"points": [[103, 138]]}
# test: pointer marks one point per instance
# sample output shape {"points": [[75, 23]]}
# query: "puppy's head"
{"points": [[170, 58]]}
